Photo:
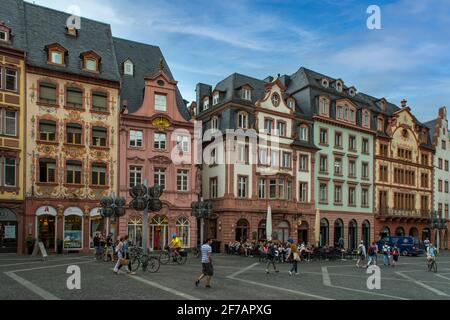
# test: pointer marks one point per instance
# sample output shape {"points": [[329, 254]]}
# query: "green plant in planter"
{"points": [[30, 244]]}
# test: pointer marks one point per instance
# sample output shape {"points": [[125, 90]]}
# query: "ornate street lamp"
{"points": [[144, 199], [437, 224], [201, 210]]}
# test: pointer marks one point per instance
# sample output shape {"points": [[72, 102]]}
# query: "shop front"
{"points": [[97, 224], [73, 229], [8, 231], [46, 226]]}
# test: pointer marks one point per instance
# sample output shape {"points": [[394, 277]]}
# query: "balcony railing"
{"points": [[390, 212]]}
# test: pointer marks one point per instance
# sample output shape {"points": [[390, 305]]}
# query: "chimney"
{"points": [[403, 102]]}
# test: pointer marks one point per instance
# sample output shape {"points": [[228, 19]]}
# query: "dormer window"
{"points": [[242, 120], [352, 92], [339, 86], [304, 133], [5, 33], [366, 119], [91, 61], [206, 103], [291, 103], [128, 68], [56, 54], [4, 36], [246, 94], [380, 124], [325, 83], [215, 98]]}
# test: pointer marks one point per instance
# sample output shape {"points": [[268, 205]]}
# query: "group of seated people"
{"points": [[252, 248]]}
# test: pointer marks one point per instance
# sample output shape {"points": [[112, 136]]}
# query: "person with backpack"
{"points": [[271, 257], [372, 256], [395, 255], [361, 254], [386, 254]]}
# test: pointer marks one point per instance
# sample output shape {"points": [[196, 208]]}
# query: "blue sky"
{"points": [[205, 41]]}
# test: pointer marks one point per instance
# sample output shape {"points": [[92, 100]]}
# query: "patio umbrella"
{"points": [[269, 224], [317, 227]]}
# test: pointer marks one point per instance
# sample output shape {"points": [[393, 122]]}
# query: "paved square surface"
{"points": [[236, 278]]}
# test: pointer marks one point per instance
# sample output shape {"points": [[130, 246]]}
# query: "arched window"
{"points": [[413, 232], [400, 232], [352, 234], [159, 232], [338, 231], [385, 232], [282, 231], [183, 231], [365, 233], [134, 231], [242, 230], [324, 232]]}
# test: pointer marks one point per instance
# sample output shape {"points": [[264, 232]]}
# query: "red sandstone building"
{"points": [[155, 129]]}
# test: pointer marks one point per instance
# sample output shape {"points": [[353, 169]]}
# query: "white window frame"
{"points": [[128, 68], [4, 165], [206, 104], [157, 141], [6, 36], [183, 175], [214, 124], [242, 187], [304, 133], [281, 127], [4, 118], [303, 162], [246, 94], [15, 79], [161, 173], [183, 143], [53, 54], [159, 106], [262, 189], [133, 173], [242, 120], [134, 137], [215, 99]]}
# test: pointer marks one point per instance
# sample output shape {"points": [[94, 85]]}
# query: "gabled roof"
{"points": [[12, 13], [45, 26], [146, 60], [235, 81]]}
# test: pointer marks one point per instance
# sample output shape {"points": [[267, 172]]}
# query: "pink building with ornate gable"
{"points": [[155, 124]]}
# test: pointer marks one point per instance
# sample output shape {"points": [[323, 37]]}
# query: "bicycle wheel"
{"points": [[164, 257], [181, 259], [135, 263], [153, 264]]}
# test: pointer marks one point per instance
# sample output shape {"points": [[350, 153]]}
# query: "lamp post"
{"points": [[201, 210], [112, 206], [438, 224], [144, 199]]}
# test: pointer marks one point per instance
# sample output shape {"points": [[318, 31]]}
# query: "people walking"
{"points": [[386, 254], [121, 255], [294, 258], [426, 243], [395, 255], [372, 255], [109, 248], [207, 267], [96, 242], [361, 254], [271, 257], [341, 243]]}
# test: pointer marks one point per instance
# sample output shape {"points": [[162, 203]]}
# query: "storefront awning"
{"points": [[46, 210], [95, 212], [73, 211]]}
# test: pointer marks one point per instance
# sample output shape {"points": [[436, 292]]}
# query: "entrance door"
{"points": [[46, 231], [302, 236], [8, 231]]}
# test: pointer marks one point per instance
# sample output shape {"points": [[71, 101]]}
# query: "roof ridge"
{"points": [[136, 42], [63, 12]]}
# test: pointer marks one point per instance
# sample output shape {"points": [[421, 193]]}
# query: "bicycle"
{"points": [[138, 258], [166, 256], [432, 265]]}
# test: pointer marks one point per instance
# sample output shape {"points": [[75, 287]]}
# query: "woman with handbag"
{"points": [[294, 257], [122, 258]]}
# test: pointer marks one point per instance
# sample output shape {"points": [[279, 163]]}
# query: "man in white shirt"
{"points": [[207, 267]]}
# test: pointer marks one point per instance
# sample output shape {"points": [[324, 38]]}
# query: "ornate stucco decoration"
{"points": [[161, 123]]}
